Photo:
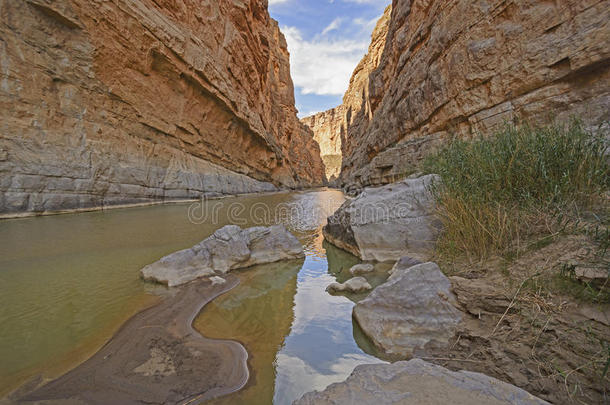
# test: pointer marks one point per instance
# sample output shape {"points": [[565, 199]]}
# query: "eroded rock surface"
{"points": [[417, 382], [386, 223], [437, 69], [116, 102], [415, 306], [229, 248]]}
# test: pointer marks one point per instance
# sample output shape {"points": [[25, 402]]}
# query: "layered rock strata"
{"points": [[114, 102], [464, 68], [330, 127]]}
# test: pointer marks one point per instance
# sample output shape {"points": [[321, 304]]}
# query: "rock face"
{"points": [[415, 306], [388, 222], [353, 285], [229, 248], [113, 102], [330, 127], [418, 382], [463, 68]]}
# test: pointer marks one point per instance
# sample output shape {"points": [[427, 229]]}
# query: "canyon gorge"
{"points": [[304, 260], [122, 102], [437, 70]]}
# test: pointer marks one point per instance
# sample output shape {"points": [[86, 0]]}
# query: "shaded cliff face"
{"points": [[330, 127], [465, 67], [106, 102]]}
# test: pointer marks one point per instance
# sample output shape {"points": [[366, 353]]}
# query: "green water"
{"points": [[68, 282]]}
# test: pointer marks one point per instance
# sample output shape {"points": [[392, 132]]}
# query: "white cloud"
{"points": [[272, 2], [323, 66], [335, 24]]}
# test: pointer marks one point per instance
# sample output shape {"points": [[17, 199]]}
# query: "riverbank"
{"points": [[156, 357], [212, 197]]}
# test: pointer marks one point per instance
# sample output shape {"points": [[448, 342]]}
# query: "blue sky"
{"points": [[326, 40]]}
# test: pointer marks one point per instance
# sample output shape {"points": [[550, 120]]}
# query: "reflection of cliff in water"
{"points": [[258, 313]]}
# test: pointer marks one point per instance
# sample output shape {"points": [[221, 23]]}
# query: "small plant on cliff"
{"points": [[524, 180]]}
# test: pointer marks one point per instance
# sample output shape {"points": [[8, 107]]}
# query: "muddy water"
{"points": [[68, 282]]}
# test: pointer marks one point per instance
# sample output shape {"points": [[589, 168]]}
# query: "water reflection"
{"points": [[68, 282], [317, 349], [258, 313]]}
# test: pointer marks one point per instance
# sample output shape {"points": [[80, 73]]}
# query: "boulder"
{"points": [[361, 269], [415, 306], [387, 223], [419, 383], [353, 285], [229, 248]]}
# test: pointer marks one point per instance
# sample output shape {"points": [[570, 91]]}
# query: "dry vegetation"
{"points": [[525, 213]]}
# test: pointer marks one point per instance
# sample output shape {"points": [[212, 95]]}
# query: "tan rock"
{"points": [[113, 102], [463, 68], [330, 127]]}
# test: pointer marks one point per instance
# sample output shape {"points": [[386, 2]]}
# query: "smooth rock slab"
{"points": [[417, 382], [387, 223], [229, 248], [412, 308], [354, 285]]}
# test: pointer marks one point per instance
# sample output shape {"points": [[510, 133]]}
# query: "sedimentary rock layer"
{"points": [[106, 102], [330, 127], [464, 68]]}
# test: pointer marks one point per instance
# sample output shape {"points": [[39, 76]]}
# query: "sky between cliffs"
{"points": [[326, 40]]}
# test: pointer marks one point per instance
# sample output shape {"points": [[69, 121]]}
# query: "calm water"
{"points": [[68, 282]]}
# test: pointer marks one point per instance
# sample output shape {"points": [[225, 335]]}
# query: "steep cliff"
{"points": [[330, 127], [112, 102], [463, 67]]}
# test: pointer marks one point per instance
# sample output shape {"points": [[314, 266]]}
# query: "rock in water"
{"points": [[354, 285], [386, 223], [229, 248], [417, 382], [414, 307], [362, 268]]}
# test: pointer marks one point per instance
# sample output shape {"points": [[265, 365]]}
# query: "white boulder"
{"points": [[227, 249]]}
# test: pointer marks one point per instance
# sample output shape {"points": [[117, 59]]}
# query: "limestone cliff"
{"points": [[124, 101], [465, 67], [330, 127]]}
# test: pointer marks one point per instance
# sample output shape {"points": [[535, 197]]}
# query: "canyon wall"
{"points": [[129, 101], [463, 67], [330, 127]]}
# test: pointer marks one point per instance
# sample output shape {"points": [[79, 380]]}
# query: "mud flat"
{"points": [[156, 357]]}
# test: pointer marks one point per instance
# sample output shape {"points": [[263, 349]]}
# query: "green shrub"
{"points": [[500, 189]]}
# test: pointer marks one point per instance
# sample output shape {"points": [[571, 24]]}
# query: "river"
{"points": [[68, 282]]}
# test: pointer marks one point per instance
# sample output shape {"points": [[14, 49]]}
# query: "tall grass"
{"points": [[498, 190]]}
